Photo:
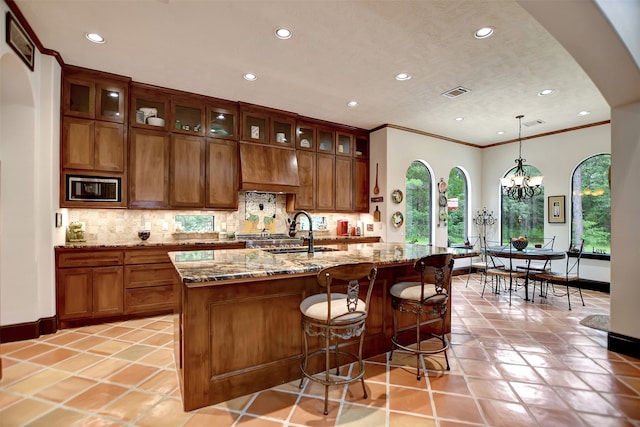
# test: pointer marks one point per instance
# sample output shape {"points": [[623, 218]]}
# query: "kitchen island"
{"points": [[238, 323]]}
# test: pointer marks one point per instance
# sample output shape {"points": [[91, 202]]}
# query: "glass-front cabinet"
{"points": [[149, 108], [326, 140], [187, 117], [222, 123], [362, 146], [282, 131], [255, 127], [100, 100], [345, 144], [267, 126], [306, 137]]}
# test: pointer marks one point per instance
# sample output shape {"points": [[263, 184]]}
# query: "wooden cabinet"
{"points": [[89, 284], [188, 116], [325, 182], [305, 198], [344, 146], [148, 281], [361, 185], [149, 101], [149, 169], [187, 171], [344, 184], [221, 183], [222, 121], [94, 135], [267, 126]]}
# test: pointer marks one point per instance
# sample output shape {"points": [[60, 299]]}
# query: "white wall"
{"points": [[395, 150], [29, 141], [556, 157]]}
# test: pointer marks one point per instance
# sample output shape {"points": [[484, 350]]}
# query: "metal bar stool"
{"points": [[427, 302], [335, 316]]}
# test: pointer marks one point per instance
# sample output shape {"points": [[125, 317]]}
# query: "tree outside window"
{"points": [[591, 204], [418, 204], [523, 218], [457, 219]]}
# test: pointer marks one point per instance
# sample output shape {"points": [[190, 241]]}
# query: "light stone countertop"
{"points": [[198, 267]]}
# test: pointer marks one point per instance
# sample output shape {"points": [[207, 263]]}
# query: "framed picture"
{"points": [[556, 209], [19, 41]]}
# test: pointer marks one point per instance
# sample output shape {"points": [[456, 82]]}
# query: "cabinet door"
{"points": [[187, 117], [325, 190], [223, 123], [344, 184], [78, 97], [108, 291], [222, 174], [187, 171], [111, 101], [149, 169], [78, 143], [345, 144], [255, 127], [283, 131], [305, 198], [75, 294], [306, 137], [326, 140], [109, 146], [361, 185]]}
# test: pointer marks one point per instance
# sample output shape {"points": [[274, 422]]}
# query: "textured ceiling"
{"points": [[340, 51]]}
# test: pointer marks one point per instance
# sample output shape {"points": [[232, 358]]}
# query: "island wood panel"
{"points": [[233, 338]]}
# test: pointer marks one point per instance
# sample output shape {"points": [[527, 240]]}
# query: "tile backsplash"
{"points": [[114, 225]]}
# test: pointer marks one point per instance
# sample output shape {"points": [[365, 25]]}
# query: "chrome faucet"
{"points": [[292, 228]]}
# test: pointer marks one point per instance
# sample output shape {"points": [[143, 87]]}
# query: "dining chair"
{"points": [[428, 303], [478, 263], [498, 270], [569, 278], [335, 316], [535, 266]]}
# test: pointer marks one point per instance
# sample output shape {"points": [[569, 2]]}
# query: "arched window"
{"points": [[457, 220], [418, 204], [523, 218], [591, 204]]}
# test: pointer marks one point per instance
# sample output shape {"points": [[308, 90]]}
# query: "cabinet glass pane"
{"points": [[188, 118], [362, 147], [305, 138], [256, 128], [222, 124], [282, 132], [110, 103], [80, 96], [344, 144], [325, 141], [146, 108]]}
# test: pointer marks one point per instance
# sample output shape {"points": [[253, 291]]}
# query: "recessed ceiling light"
{"points": [[483, 33], [250, 76], [545, 92], [94, 37], [283, 33], [403, 76], [584, 113], [352, 103], [459, 119], [500, 132]]}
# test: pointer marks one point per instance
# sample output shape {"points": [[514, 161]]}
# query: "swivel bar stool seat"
{"points": [[334, 316], [427, 302]]}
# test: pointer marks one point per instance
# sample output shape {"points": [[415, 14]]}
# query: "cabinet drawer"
{"points": [[139, 276], [146, 256], [150, 299], [90, 259]]}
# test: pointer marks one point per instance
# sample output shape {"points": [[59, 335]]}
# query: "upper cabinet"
{"points": [[94, 136], [267, 126], [222, 121], [344, 145], [150, 107]]}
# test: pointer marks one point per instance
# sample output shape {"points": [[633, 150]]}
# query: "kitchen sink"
{"points": [[298, 250]]}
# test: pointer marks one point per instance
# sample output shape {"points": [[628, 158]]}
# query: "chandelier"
{"points": [[520, 186]]}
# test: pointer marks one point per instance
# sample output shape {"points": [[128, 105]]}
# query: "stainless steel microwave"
{"points": [[82, 188]]}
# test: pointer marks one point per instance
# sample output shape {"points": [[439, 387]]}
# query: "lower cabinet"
{"points": [[90, 292], [148, 281]]}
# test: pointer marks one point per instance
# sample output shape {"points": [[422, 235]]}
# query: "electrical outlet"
{"points": [[165, 225]]}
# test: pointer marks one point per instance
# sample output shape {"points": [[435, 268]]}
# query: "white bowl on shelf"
{"points": [[155, 121]]}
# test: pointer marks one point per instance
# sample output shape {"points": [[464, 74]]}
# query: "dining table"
{"points": [[527, 254]]}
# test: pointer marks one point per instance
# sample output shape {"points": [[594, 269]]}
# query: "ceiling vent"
{"points": [[454, 93], [533, 123]]}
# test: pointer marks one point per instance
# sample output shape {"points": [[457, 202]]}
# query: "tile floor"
{"points": [[528, 364]]}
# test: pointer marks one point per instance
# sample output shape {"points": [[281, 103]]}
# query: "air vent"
{"points": [[454, 93], [533, 123]]}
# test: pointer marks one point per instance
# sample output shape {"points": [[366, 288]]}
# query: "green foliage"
{"points": [[524, 218], [595, 200], [456, 224], [418, 203], [196, 223]]}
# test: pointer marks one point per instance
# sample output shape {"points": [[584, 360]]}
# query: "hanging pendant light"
{"points": [[521, 186]]}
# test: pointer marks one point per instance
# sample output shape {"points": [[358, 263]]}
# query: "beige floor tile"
{"points": [[58, 418], [104, 368], [161, 358], [66, 389], [134, 352], [109, 348], [357, 416], [78, 362], [273, 404], [54, 356], [168, 413], [7, 398], [163, 382], [209, 417], [131, 405], [37, 382], [23, 412], [96, 397], [132, 374]]}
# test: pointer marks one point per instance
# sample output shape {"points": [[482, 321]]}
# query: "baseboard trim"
{"points": [[28, 330], [623, 344]]}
